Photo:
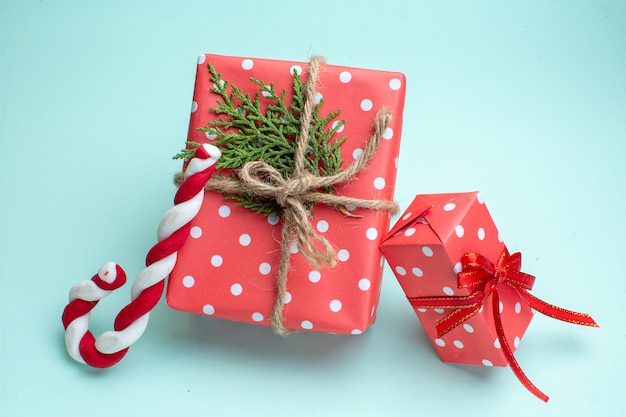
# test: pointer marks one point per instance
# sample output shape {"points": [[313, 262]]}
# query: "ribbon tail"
{"points": [[508, 353], [452, 301], [556, 312], [465, 306], [454, 319]]}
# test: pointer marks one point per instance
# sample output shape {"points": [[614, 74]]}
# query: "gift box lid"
{"points": [[444, 213]]}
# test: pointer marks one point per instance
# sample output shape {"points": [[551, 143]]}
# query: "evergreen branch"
{"points": [[264, 127], [188, 152]]}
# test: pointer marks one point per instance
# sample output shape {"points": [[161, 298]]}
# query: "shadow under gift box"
{"points": [[424, 250], [227, 268]]}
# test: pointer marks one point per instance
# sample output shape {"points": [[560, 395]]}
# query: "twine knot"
{"points": [[291, 194], [263, 179]]}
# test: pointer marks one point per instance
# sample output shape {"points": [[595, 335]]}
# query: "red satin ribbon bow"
{"points": [[485, 278]]}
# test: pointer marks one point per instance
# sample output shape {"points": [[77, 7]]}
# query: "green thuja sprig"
{"points": [[188, 152], [246, 132]]}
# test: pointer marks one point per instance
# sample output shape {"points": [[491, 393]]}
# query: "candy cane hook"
{"points": [[110, 347]]}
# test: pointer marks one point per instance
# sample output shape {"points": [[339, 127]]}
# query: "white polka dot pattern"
{"points": [[395, 84], [364, 284], [188, 281], [234, 259], [216, 260], [336, 125], [366, 104], [295, 68], [247, 64], [322, 226], [224, 211], [265, 268], [335, 306], [343, 255], [425, 248], [371, 233], [245, 239], [345, 76], [315, 276]]}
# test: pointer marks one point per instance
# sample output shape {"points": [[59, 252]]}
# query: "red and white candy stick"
{"points": [[110, 347]]}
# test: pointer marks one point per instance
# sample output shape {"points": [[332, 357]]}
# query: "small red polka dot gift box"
{"points": [[425, 250], [466, 288], [228, 268]]}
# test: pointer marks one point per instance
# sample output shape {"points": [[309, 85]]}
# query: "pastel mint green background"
{"points": [[525, 101]]}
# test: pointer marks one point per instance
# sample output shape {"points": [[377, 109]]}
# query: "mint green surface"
{"points": [[525, 101]]}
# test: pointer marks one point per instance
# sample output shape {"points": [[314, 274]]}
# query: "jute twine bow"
{"points": [[293, 194]]}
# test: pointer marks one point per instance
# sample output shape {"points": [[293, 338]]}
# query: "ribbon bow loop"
{"points": [[478, 271]]}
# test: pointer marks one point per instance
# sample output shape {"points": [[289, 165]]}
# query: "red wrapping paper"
{"points": [[424, 250], [227, 269]]}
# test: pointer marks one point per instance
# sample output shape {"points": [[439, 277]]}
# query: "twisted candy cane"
{"points": [[110, 347]]}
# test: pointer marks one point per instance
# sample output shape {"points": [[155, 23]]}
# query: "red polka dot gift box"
{"points": [[466, 288], [425, 250], [230, 265]]}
